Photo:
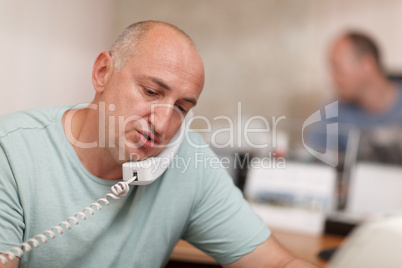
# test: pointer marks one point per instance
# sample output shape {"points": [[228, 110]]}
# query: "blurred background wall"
{"points": [[270, 55], [47, 49]]}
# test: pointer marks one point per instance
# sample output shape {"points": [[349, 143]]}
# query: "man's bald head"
{"points": [[126, 45]]}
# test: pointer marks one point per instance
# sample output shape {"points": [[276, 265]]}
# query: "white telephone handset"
{"points": [[148, 170], [137, 173]]}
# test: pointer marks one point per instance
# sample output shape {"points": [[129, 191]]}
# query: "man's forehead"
{"points": [[164, 53], [160, 51]]}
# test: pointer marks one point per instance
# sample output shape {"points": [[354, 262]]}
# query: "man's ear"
{"points": [[102, 70]]}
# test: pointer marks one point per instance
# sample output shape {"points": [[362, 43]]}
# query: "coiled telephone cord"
{"points": [[118, 190]]}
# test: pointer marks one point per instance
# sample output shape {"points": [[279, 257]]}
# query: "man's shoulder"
{"points": [[29, 119], [192, 142], [350, 113]]}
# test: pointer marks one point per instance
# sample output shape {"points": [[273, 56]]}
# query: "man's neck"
{"points": [[81, 128], [380, 96]]}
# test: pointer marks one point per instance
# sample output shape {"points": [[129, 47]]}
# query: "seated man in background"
{"points": [[369, 102], [56, 160]]}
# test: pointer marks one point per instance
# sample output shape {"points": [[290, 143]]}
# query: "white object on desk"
{"points": [[295, 198], [375, 189], [375, 244]]}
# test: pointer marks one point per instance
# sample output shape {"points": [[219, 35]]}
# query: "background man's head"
{"points": [[355, 61]]}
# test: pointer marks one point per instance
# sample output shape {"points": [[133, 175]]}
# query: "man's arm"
{"points": [[269, 254], [11, 215], [10, 263]]}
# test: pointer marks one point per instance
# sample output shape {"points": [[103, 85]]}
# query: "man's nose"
{"points": [[160, 118]]}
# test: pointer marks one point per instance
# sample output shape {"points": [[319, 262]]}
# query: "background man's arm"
{"points": [[269, 254]]}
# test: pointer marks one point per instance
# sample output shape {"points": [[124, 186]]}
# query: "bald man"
{"points": [[57, 160], [368, 101]]}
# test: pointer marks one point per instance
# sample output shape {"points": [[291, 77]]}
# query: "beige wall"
{"points": [[268, 54], [47, 49]]}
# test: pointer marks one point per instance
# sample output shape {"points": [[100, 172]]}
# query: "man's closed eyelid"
{"points": [[181, 108], [149, 91]]}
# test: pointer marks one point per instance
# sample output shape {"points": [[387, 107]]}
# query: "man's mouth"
{"points": [[148, 137]]}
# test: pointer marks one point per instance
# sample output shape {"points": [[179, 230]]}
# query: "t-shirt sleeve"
{"points": [[11, 213], [222, 223]]}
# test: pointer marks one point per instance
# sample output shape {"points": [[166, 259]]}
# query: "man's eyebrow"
{"points": [[191, 100], [163, 85], [160, 83]]}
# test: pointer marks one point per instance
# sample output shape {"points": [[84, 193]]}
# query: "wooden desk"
{"points": [[302, 246]]}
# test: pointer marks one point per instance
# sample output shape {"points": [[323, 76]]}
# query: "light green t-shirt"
{"points": [[43, 182]]}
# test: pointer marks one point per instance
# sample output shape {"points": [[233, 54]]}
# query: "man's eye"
{"points": [[181, 109], [149, 92]]}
